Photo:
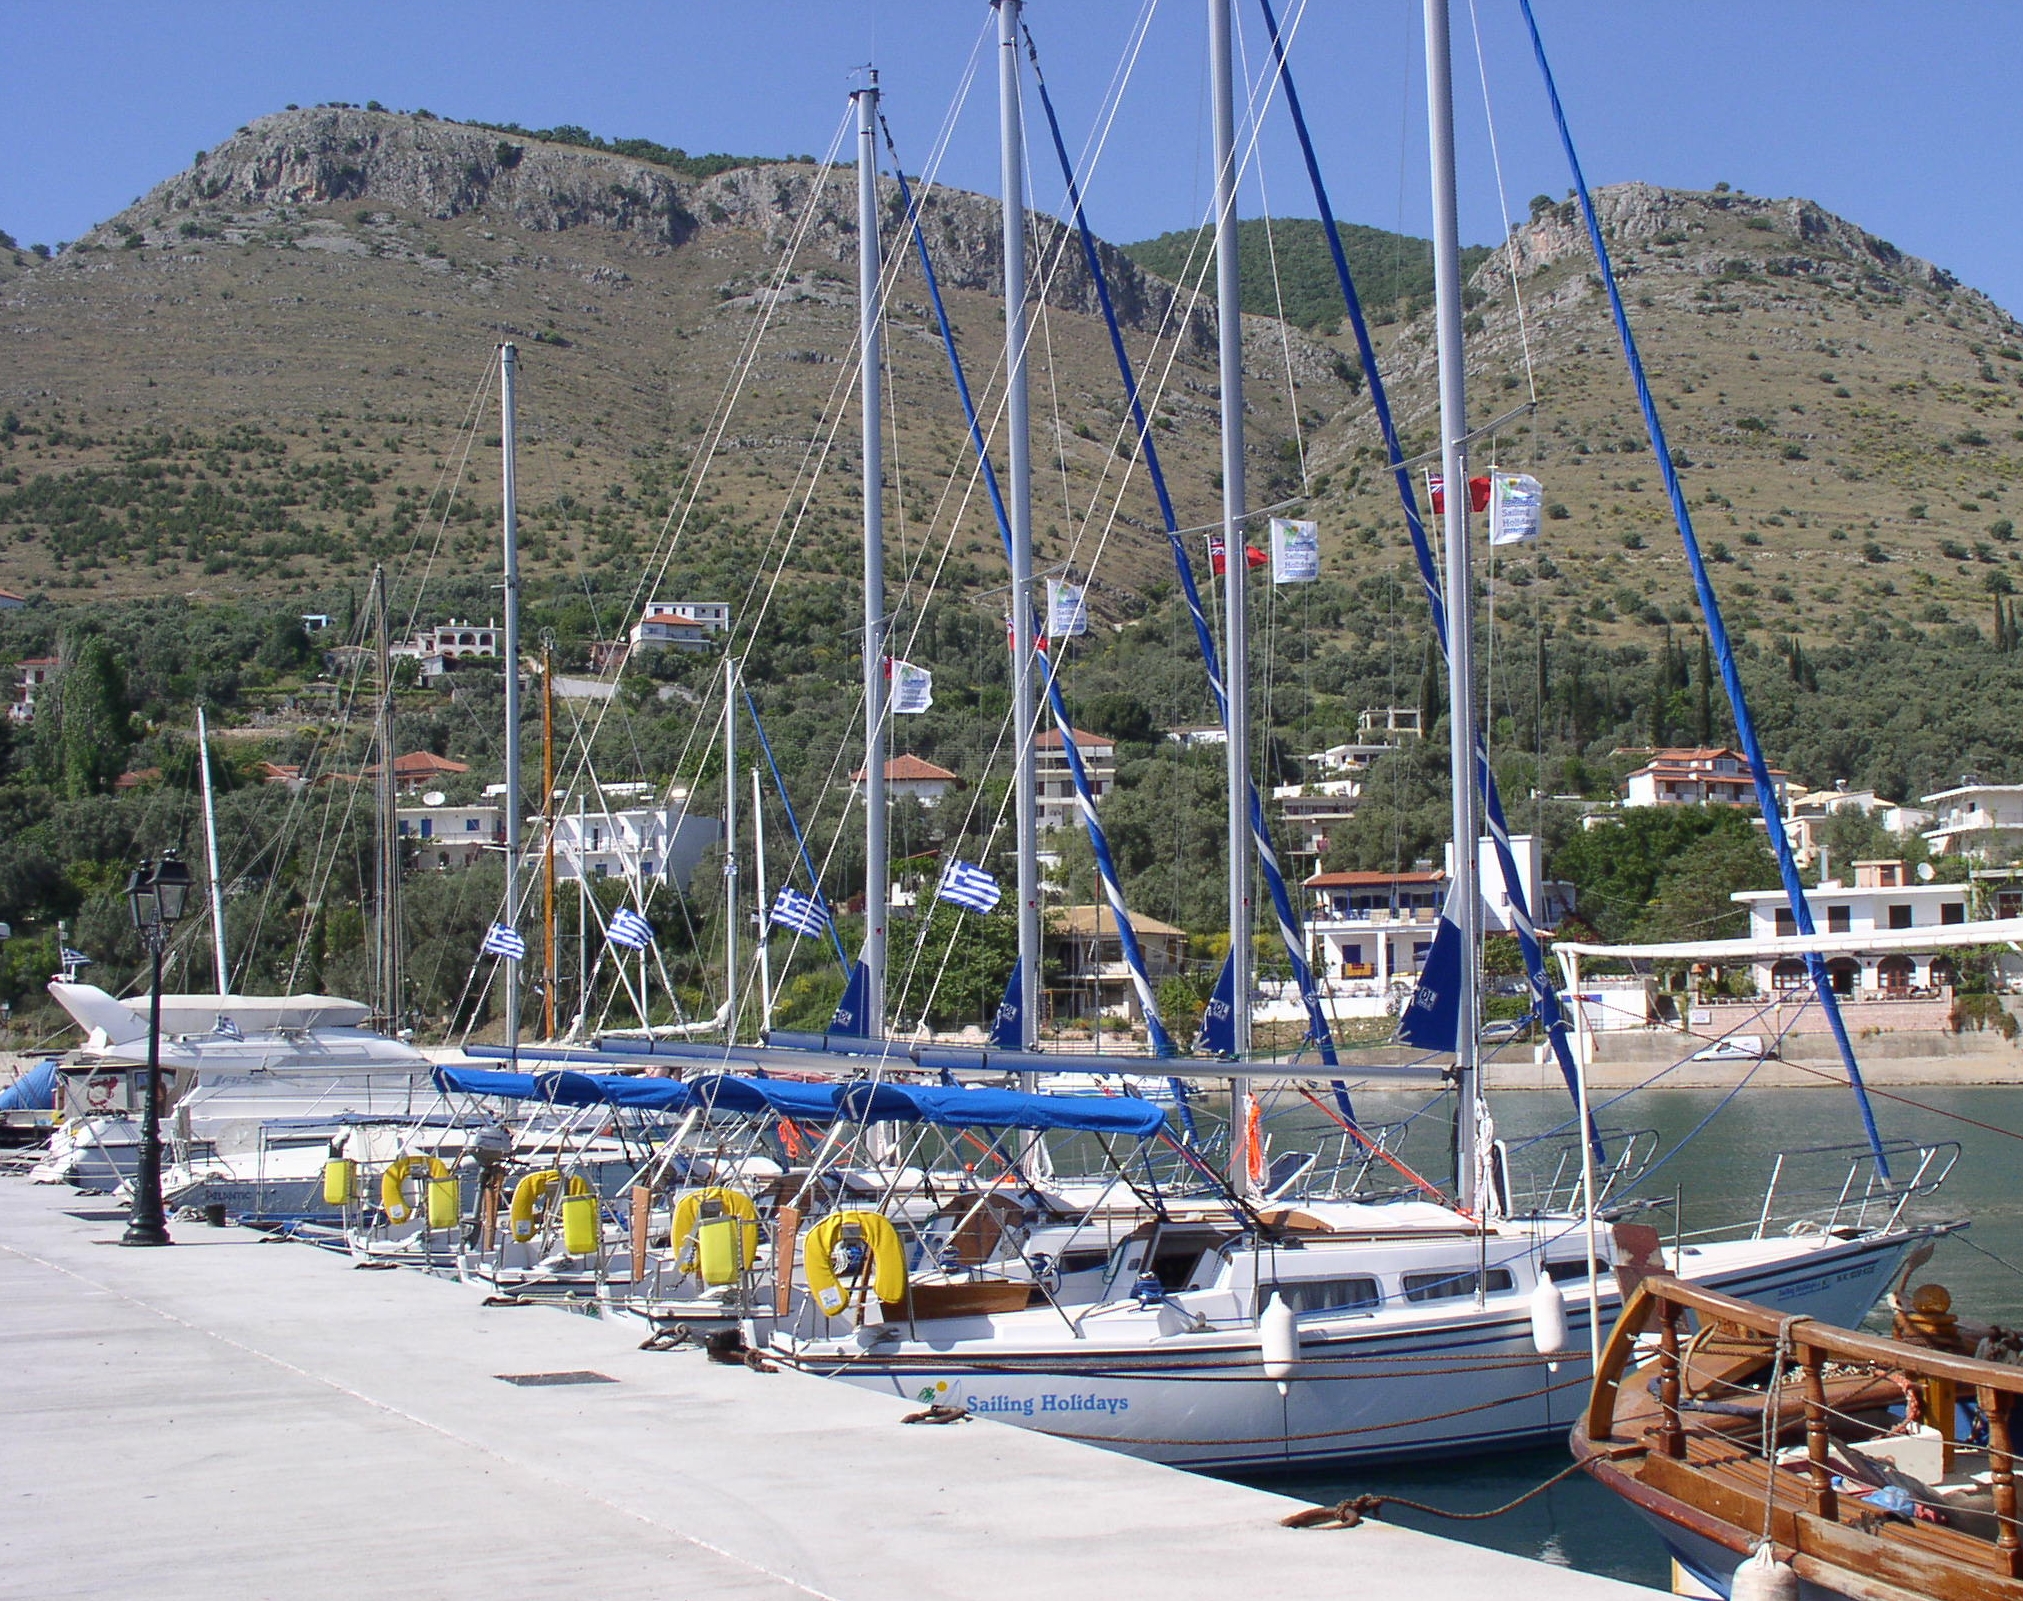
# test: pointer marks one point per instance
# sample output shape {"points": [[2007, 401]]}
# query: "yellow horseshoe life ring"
{"points": [[686, 1231], [881, 1239], [443, 1205], [529, 1193]]}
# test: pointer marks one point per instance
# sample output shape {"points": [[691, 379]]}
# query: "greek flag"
{"points": [[968, 885], [228, 1029], [802, 913], [73, 958], [629, 929], [503, 941]]}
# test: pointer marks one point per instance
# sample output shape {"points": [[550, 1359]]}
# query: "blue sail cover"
{"points": [[865, 1101], [33, 1091]]}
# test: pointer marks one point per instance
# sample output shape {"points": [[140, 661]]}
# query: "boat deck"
{"points": [[239, 1418]]}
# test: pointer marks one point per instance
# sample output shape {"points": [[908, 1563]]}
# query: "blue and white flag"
{"points": [[629, 929], [1295, 551], [802, 913], [1516, 501], [912, 688], [966, 884], [73, 958], [1067, 610], [503, 941], [228, 1029]]}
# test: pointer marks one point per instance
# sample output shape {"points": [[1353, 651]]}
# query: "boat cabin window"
{"points": [[1452, 1284], [1575, 1271], [1329, 1295], [1081, 1261]]}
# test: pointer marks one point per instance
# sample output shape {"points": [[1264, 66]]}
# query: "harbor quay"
{"points": [[238, 1417]]}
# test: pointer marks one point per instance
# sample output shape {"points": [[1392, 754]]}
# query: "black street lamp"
{"points": [[156, 894]]}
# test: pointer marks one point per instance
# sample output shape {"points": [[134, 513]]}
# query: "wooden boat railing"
{"points": [[1808, 1347]]}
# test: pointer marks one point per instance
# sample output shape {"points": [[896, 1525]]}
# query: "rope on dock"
{"points": [[1347, 1514]]}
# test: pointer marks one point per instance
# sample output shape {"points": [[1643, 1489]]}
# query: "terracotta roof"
{"points": [[1364, 880], [1051, 739], [422, 764], [138, 777], [910, 768], [40, 661], [1100, 920]]}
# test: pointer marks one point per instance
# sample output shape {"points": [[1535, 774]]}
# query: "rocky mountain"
{"points": [[300, 322]]}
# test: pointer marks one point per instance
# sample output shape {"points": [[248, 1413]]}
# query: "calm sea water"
{"points": [[1719, 1177]]}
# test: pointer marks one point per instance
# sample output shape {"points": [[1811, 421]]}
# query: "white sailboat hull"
{"points": [[1384, 1387]]}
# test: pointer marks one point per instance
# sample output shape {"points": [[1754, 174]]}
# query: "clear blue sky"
{"points": [[1901, 117]]}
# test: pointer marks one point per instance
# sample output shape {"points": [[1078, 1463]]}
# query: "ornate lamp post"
{"points": [[156, 894]]}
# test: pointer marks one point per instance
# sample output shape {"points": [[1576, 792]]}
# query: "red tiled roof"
{"points": [[138, 777], [422, 764], [910, 768], [1051, 739], [1364, 880]]}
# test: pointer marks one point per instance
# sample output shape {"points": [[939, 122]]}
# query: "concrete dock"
{"points": [[233, 1418]]}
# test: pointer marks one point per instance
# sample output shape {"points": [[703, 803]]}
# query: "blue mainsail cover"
{"points": [[33, 1091], [864, 1101]]}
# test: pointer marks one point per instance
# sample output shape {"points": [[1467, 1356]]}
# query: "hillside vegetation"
{"points": [[221, 407]]}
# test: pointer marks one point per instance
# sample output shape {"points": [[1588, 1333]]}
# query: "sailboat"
{"points": [[1268, 1333]]}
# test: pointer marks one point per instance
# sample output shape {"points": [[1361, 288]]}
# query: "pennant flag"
{"points": [[1218, 1022], [1067, 610], [1516, 501], [1006, 1034], [965, 884], [503, 941], [1218, 561], [1011, 639], [229, 1029], [912, 687], [1295, 551], [802, 913], [629, 929], [73, 958], [1478, 493], [1432, 1019], [850, 1018]]}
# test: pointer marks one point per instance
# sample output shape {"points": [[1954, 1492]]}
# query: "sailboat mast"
{"points": [[759, 900], [869, 315], [223, 967], [548, 962], [730, 847], [1019, 510], [1466, 901], [510, 547], [1236, 617], [387, 861]]}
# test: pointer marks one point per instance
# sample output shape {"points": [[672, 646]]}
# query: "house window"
{"points": [[472, 826], [1900, 917], [1786, 922], [1953, 912], [1838, 920], [428, 828], [599, 870]]}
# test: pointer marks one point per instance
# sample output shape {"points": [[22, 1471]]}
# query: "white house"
{"points": [[642, 844], [680, 624], [1809, 810], [442, 837], [1055, 783], [1976, 819], [914, 778], [1548, 900], [1368, 929], [1193, 738], [1697, 776], [1885, 895], [31, 677], [1309, 811]]}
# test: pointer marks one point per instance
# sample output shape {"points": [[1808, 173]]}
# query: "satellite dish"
{"points": [[1927, 872], [434, 797]]}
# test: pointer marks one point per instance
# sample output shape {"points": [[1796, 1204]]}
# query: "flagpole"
{"points": [[510, 645], [869, 268]]}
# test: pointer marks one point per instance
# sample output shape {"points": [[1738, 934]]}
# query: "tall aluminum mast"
{"points": [[870, 309], [1019, 507], [386, 861], [1466, 900], [509, 532], [217, 890], [730, 848]]}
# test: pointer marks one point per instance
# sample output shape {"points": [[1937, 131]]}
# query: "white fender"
{"points": [[1278, 1341], [1548, 1316], [1764, 1578]]}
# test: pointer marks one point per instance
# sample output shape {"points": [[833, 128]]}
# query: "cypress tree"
{"points": [[1704, 711]]}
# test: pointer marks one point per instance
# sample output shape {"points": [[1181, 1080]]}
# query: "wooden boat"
{"points": [[1875, 1469]]}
